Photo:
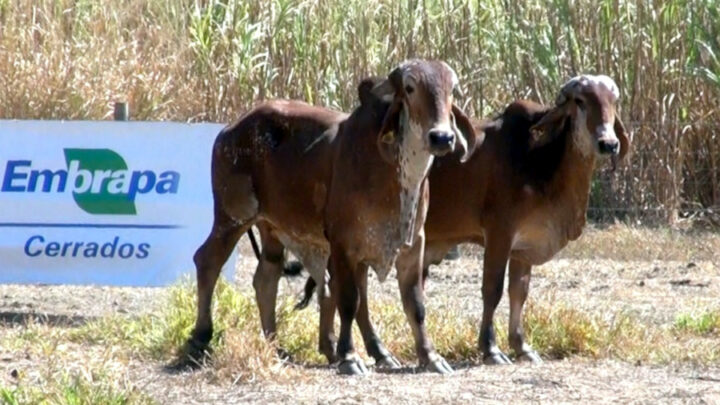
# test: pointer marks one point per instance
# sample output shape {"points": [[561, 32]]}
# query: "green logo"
{"points": [[91, 193]]}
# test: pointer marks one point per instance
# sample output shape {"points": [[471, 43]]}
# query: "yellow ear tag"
{"points": [[388, 137]]}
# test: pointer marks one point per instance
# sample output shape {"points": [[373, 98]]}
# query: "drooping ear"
{"points": [[390, 90], [542, 132], [622, 136], [464, 133], [365, 90], [387, 139]]}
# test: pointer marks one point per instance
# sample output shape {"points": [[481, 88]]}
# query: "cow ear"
{"points": [[390, 88], [622, 136], [464, 133], [396, 79], [387, 139], [542, 132], [365, 90]]}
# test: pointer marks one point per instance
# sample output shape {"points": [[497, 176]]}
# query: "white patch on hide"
{"points": [[414, 164], [600, 80], [414, 161], [605, 81], [606, 131], [582, 139]]}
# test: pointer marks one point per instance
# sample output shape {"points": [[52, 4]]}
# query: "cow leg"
{"points": [[266, 279], [435, 253], [327, 342], [410, 280], [497, 251], [209, 259], [519, 284], [425, 274], [373, 345], [345, 292], [316, 262]]}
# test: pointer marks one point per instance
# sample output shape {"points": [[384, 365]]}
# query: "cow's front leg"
{"points": [[410, 280], [373, 345], [346, 294]]}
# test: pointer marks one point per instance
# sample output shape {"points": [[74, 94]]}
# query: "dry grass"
{"points": [[555, 329], [98, 361], [51, 369], [213, 59], [627, 243]]}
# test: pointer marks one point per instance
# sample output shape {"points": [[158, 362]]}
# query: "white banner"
{"points": [[103, 202]]}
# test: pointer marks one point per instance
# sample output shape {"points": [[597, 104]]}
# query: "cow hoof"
{"points": [[530, 356], [302, 304], [352, 366], [284, 355], [193, 355], [388, 362], [437, 364], [497, 358]]}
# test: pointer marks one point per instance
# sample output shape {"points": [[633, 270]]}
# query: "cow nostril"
{"points": [[608, 147], [441, 138]]}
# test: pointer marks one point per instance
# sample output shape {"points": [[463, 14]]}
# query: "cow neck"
{"points": [[413, 166], [571, 184]]}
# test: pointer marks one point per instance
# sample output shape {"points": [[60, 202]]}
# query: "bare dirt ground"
{"points": [[656, 291]]}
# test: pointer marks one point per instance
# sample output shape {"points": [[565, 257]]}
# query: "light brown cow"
{"points": [[523, 194], [350, 191]]}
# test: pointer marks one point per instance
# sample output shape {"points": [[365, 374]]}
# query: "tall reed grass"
{"points": [[210, 60]]}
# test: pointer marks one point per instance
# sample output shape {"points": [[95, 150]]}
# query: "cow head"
{"points": [[421, 110], [590, 102]]}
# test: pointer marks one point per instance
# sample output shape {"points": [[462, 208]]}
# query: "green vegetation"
{"points": [[706, 323], [213, 59], [75, 390], [554, 328]]}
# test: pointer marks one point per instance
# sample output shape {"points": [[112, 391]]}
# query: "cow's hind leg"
{"points": [[519, 284], [327, 343], [266, 279], [315, 259], [373, 345], [410, 280], [209, 259], [497, 250]]}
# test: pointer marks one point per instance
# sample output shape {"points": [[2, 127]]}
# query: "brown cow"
{"points": [[350, 191], [523, 194]]}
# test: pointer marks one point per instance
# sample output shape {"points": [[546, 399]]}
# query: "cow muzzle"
{"points": [[441, 141], [607, 141], [608, 146]]}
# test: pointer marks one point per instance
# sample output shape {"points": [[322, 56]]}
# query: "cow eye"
{"points": [[580, 103], [409, 89]]}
